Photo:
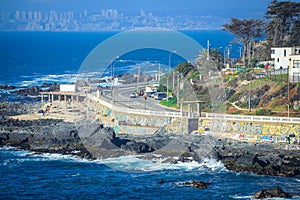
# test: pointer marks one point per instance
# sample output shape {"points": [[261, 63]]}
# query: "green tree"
{"points": [[217, 57], [294, 38], [245, 30], [184, 68], [281, 16]]}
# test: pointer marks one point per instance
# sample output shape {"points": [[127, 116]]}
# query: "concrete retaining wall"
{"points": [[254, 128]]}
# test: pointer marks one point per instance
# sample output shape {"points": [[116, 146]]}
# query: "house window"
{"points": [[296, 64], [296, 77], [284, 53], [273, 51], [277, 59]]}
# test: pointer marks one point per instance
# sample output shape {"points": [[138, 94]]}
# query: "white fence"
{"points": [[134, 111], [251, 118], [203, 115]]}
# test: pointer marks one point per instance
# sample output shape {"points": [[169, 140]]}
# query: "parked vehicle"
{"points": [[141, 93], [150, 94], [133, 95], [160, 96]]}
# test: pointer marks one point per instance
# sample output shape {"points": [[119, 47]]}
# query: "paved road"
{"points": [[122, 98]]}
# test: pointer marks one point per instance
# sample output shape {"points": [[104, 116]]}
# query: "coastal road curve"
{"points": [[123, 99]]}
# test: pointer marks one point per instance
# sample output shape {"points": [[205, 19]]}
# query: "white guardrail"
{"points": [[203, 115], [134, 111], [251, 118]]}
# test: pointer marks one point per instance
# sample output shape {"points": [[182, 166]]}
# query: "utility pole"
{"points": [[159, 72], [250, 88], [178, 89], [173, 80], [288, 104], [208, 44], [138, 79], [240, 52], [169, 74]]}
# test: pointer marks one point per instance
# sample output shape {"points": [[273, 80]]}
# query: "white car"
{"points": [[132, 95]]}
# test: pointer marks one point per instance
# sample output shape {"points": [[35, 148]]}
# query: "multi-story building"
{"points": [[287, 58], [294, 69]]}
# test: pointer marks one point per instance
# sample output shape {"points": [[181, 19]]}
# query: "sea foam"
{"points": [[133, 163]]}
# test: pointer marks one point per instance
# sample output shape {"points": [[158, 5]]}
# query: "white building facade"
{"points": [[287, 58]]}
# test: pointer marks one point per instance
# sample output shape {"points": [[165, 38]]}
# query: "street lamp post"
{"points": [[228, 55], [169, 73], [159, 72], [112, 62]]}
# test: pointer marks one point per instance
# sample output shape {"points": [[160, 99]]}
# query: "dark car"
{"points": [[160, 96], [149, 94]]}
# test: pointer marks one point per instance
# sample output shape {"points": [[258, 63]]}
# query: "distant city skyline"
{"points": [[103, 20], [242, 8], [120, 15]]}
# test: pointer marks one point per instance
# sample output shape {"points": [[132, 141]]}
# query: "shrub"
{"points": [[264, 112]]}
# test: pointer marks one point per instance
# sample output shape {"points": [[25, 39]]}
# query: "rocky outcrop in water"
{"points": [[258, 158], [43, 135], [7, 87], [31, 91], [195, 184], [271, 193]]}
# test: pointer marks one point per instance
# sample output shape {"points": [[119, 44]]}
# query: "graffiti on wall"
{"points": [[254, 128]]}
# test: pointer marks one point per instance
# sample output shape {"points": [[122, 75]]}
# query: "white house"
{"points": [[294, 67], [287, 58], [67, 88]]}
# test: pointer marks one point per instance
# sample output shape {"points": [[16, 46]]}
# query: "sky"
{"points": [[248, 7]]}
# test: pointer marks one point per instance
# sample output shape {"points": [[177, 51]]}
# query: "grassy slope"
{"points": [[270, 97]]}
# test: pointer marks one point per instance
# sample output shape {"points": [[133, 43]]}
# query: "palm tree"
{"points": [[203, 57]]}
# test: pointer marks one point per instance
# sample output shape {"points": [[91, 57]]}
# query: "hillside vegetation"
{"points": [[269, 96]]}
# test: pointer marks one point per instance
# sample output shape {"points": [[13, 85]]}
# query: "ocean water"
{"points": [[32, 58], [25, 175]]}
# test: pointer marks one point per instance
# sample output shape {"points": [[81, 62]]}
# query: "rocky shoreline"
{"points": [[94, 141]]}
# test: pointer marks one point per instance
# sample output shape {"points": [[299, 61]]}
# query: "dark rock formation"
{"points": [[31, 91], [17, 108], [195, 184], [44, 135], [7, 87], [138, 147], [271, 193], [91, 140], [258, 158]]}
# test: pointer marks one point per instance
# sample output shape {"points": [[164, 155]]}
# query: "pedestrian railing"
{"points": [[251, 118]]}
